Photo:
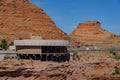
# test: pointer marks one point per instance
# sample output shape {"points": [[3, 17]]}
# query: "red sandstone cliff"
{"points": [[91, 32], [20, 18]]}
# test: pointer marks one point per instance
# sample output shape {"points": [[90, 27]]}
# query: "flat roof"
{"points": [[41, 42]]}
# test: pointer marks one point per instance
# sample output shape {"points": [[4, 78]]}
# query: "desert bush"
{"points": [[113, 52], [117, 71], [117, 57], [77, 58], [4, 44]]}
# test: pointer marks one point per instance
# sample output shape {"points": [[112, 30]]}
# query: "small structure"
{"points": [[87, 49], [7, 54], [11, 48], [72, 55], [54, 50]]}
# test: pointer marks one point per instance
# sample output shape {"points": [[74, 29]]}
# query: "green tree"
{"points": [[4, 44]]}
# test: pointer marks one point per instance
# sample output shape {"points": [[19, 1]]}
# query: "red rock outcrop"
{"points": [[93, 65], [20, 18], [91, 32], [40, 71]]}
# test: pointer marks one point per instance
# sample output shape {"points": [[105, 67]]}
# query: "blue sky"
{"points": [[67, 14]]}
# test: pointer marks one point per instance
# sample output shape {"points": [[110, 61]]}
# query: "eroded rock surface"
{"points": [[90, 66], [91, 32], [20, 18]]}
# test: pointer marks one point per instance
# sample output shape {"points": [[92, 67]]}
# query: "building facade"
{"points": [[54, 50]]}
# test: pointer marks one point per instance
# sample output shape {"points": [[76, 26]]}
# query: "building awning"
{"points": [[41, 43]]}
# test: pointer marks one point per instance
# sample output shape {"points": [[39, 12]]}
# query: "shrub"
{"points": [[117, 57], [4, 44], [77, 58], [117, 71]]}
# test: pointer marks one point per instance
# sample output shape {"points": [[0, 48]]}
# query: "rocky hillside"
{"points": [[20, 18], [95, 65], [91, 32]]}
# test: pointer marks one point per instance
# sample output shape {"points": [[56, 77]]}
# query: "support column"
{"points": [[28, 56], [60, 57], [51, 57], [34, 56], [25, 56], [56, 57], [18, 56], [22, 56], [46, 57], [40, 57]]}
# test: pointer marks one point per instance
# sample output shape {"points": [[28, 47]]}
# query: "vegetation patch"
{"points": [[117, 71]]}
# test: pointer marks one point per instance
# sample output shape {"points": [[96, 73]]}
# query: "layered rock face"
{"points": [[19, 19], [91, 32]]}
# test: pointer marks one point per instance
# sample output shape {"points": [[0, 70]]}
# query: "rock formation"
{"points": [[91, 32], [20, 18]]}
